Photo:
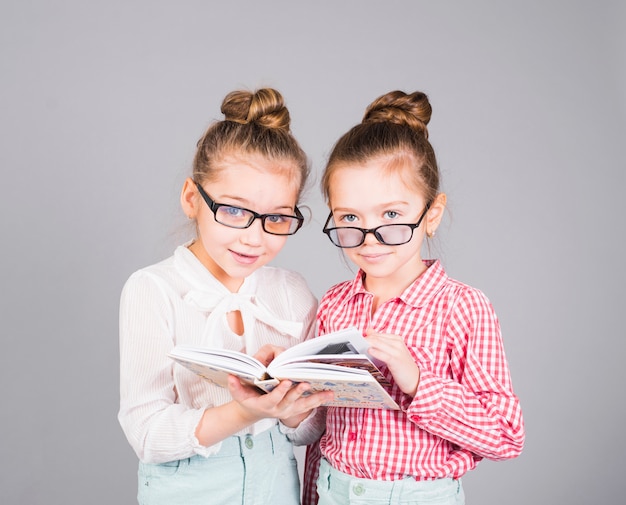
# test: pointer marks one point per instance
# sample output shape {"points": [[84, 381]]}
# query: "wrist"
{"points": [[413, 391], [244, 416], [294, 421]]}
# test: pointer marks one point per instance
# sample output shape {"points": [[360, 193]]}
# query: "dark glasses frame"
{"points": [[214, 206], [332, 233]]}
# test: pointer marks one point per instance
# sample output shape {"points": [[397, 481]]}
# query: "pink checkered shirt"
{"points": [[464, 409]]}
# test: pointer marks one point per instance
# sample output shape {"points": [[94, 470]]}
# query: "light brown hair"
{"points": [[254, 123], [394, 128]]}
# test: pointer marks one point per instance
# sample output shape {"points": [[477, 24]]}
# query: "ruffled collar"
{"points": [[209, 295]]}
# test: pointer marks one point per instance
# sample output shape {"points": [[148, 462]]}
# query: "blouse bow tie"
{"points": [[219, 304]]}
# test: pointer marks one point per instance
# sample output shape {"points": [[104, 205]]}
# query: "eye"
{"points": [[232, 211], [275, 218], [391, 214], [348, 218]]}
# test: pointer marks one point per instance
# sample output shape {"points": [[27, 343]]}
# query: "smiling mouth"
{"points": [[244, 258], [373, 256]]}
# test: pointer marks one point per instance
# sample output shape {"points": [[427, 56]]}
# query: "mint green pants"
{"points": [[337, 488], [259, 470]]}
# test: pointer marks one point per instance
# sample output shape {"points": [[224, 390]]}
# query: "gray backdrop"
{"points": [[100, 108]]}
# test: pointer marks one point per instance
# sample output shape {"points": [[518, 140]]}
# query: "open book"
{"points": [[337, 361]]}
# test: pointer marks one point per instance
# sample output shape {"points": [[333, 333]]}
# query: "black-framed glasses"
{"points": [[388, 234], [238, 217]]}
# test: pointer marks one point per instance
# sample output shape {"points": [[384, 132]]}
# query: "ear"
{"points": [[435, 213], [189, 198]]}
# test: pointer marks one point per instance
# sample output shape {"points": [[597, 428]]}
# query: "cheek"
{"points": [[213, 233], [276, 242], [351, 254]]}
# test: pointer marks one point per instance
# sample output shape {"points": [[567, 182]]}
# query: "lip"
{"points": [[374, 257], [244, 259]]}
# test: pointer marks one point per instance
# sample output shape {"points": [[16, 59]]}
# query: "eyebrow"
{"points": [[242, 202], [382, 206]]}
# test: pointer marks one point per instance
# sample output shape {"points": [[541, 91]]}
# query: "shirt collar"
{"points": [[209, 295], [419, 293]]}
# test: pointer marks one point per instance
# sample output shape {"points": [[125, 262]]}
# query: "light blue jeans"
{"points": [[259, 470], [337, 488]]}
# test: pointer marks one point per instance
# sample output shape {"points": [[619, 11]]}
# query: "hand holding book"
{"points": [[291, 403], [335, 362]]}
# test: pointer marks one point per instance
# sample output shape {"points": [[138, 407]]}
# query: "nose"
{"points": [[253, 234], [370, 237]]}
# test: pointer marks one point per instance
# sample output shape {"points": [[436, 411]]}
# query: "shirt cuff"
{"points": [[309, 430], [428, 399]]}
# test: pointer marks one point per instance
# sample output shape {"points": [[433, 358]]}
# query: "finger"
{"points": [[379, 354], [235, 383], [315, 400], [390, 353], [303, 393], [267, 353], [239, 391], [390, 344], [299, 400], [277, 394], [298, 390]]}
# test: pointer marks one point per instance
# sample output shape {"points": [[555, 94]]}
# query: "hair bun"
{"points": [[265, 107], [397, 107]]}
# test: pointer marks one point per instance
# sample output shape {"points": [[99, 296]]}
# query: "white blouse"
{"points": [[178, 301]]}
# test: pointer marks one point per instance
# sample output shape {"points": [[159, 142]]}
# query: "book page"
{"points": [[348, 371], [215, 364], [346, 363], [349, 338]]}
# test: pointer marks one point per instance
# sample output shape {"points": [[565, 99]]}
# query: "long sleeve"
{"points": [[157, 427], [464, 409], [476, 409], [310, 429]]}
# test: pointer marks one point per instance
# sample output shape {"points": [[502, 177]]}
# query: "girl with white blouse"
{"points": [[198, 442]]}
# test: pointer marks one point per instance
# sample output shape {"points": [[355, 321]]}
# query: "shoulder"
{"points": [[466, 293], [162, 269], [151, 278], [338, 292], [470, 307], [444, 285]]}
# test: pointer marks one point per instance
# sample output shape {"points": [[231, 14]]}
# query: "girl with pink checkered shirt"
{"points": [[438, 338]]}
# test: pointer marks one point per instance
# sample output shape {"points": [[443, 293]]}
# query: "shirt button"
{"points": [[249, 443], [351, 436], [358, 489]]}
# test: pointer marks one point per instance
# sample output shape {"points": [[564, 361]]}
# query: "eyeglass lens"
{"points": [[242, 218], [393, 234], [238, 217]]}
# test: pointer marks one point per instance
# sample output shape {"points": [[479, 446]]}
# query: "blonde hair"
{"points": [[254, 123], [394, 127]]}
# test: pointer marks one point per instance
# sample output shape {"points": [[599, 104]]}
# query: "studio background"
{"points": [[101, 104]]}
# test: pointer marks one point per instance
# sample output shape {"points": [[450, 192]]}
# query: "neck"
{"points": [[387, 288], [231, 283]]}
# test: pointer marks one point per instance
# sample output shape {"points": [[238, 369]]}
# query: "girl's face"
{"points": [[370, 195], [251, 182]]}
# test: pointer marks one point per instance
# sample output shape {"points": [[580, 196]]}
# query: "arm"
{"points": [[475, 409], [250, 406], [157, 427]]}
